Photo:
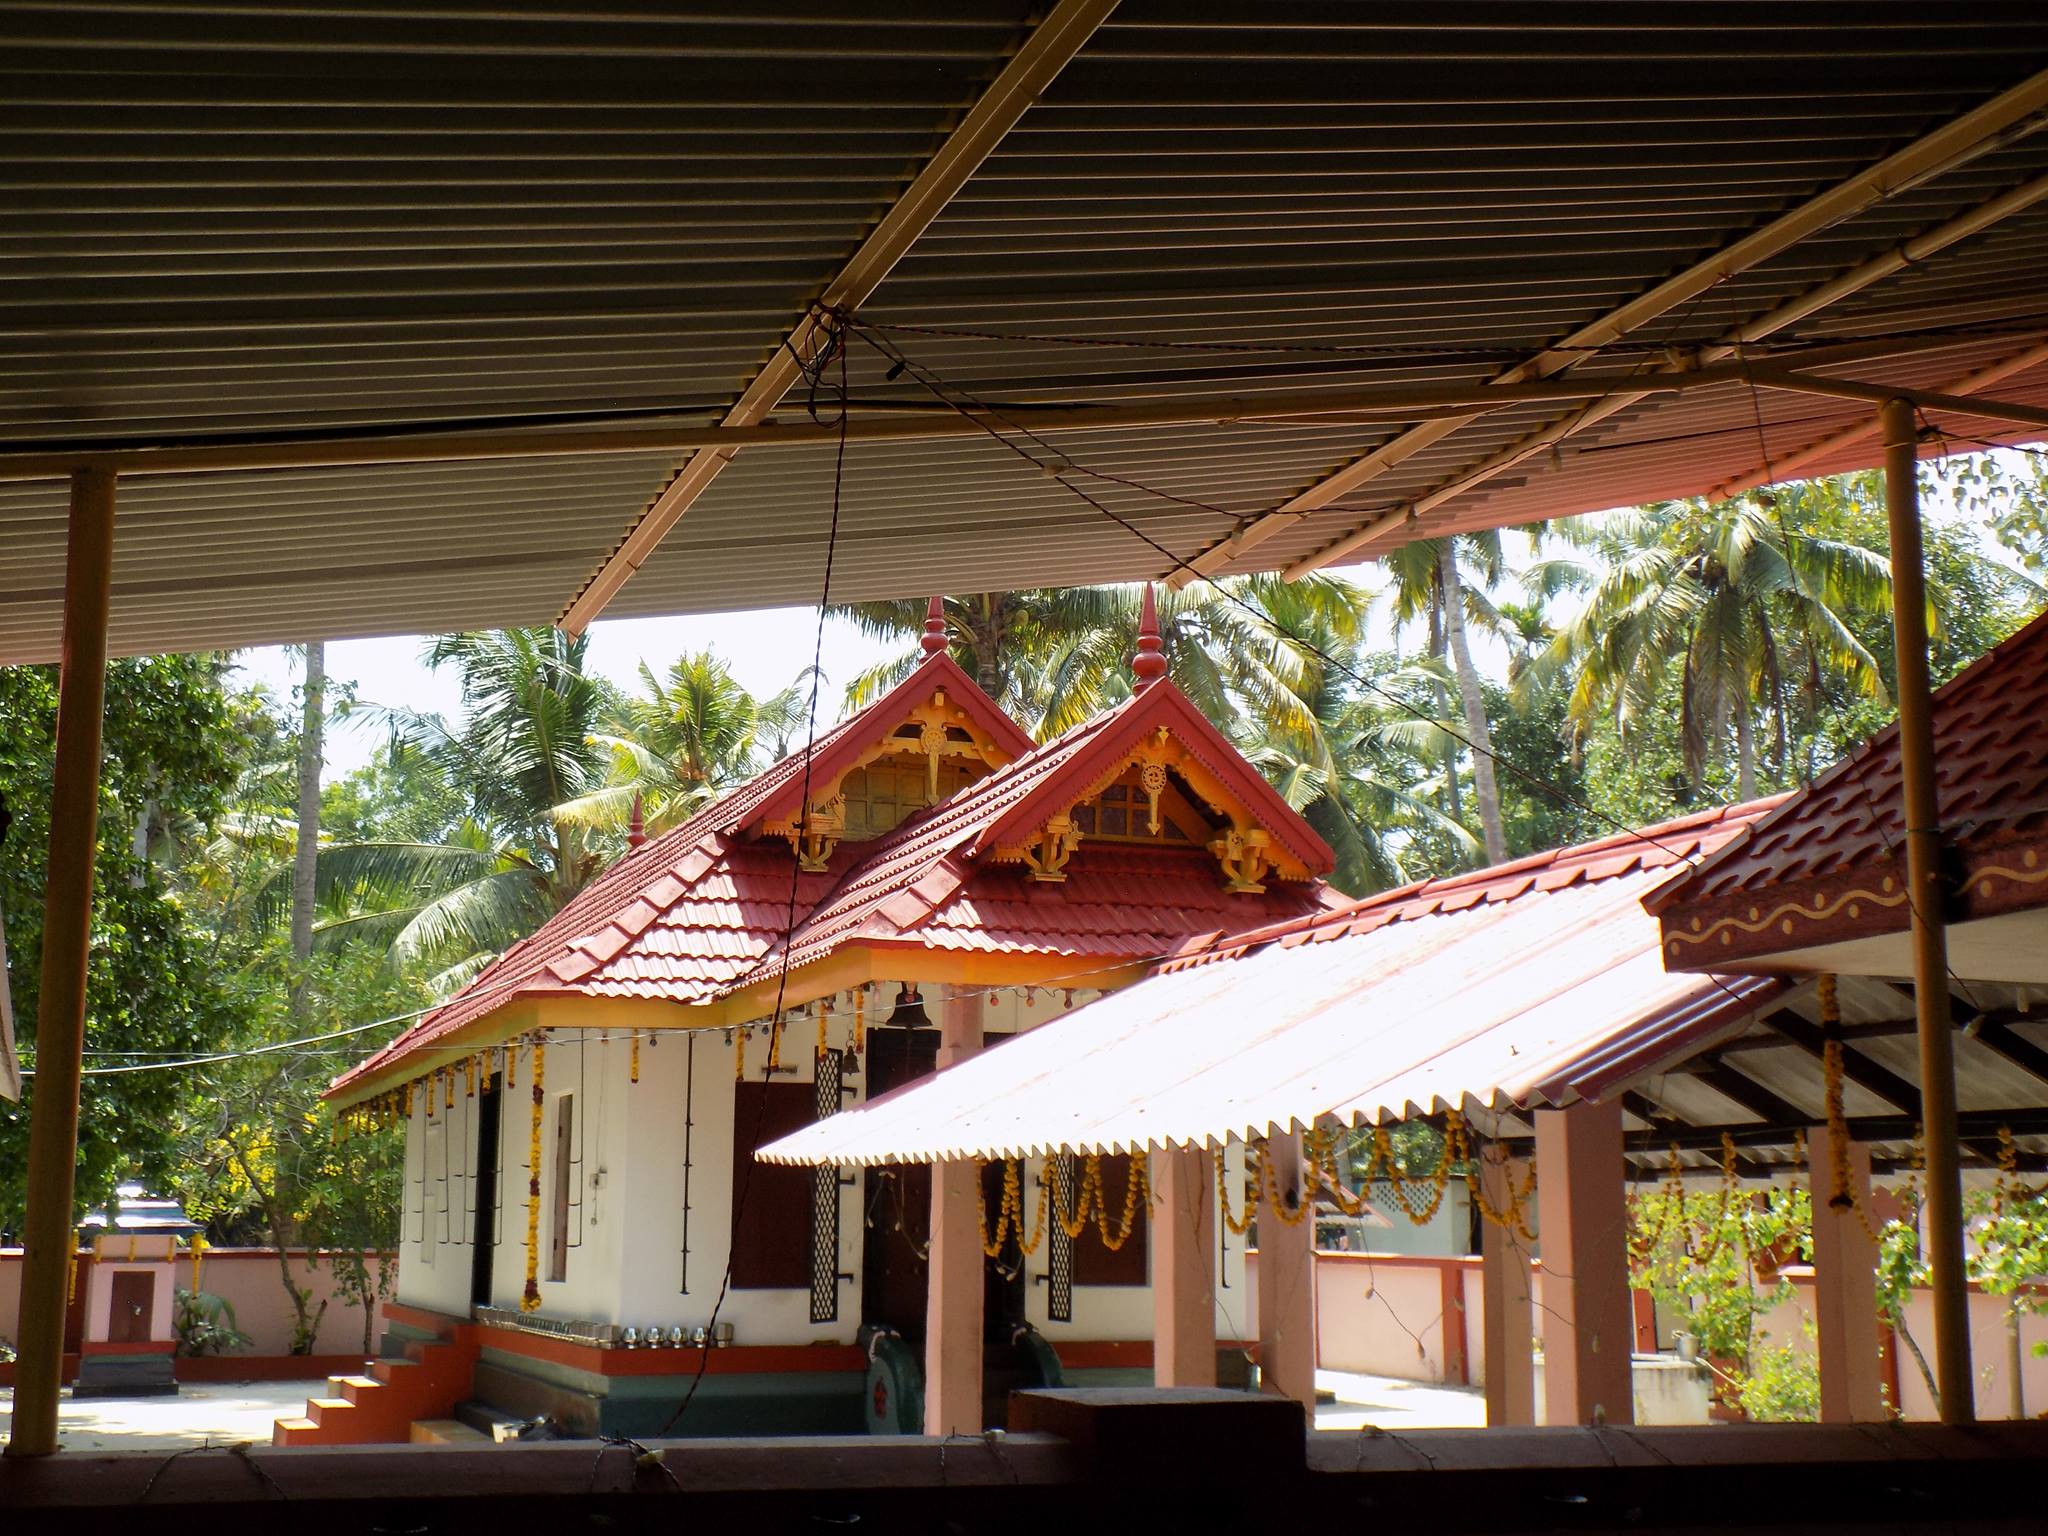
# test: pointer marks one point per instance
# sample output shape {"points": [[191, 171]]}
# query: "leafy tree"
{"points": [[1712, 1257], [172, 739]]}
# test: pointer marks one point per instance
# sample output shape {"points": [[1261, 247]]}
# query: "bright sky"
{"points": [[766, 649]]}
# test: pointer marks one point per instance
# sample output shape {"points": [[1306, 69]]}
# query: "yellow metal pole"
{"points": [[1944, 1213], [48, 1234]]}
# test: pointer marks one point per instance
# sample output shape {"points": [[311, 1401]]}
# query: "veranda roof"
{"points": [[1820, 882], [305, 240], [1532, 983]]}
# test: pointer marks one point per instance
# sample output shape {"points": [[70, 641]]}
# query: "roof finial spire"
{"points": [[636, 829], [934, 641], [1149, 664]]}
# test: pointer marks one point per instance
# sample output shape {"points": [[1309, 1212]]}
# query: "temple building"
{"points": [[587, 1234]]}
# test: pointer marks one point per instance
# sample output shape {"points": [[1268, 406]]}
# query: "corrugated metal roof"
{"points": [[286, 217], [1518, 986]]}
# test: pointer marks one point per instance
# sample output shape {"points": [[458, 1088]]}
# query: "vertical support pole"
{"points": [[953, 1304], [1844, 1285], [1183, 1269], [1944, 1229], [1510, 1326], [1287, 1280], [47, 1233], [1588, 1318]]}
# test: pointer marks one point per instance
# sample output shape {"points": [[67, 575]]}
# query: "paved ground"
{"points": [[1397, 1405], [228, 1412], [224, 1412]]}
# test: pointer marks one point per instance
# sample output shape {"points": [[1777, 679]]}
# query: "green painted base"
{"points": [[641, 1407]]}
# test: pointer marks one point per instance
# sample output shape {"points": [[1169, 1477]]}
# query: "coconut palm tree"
{"points": [[685, 739], [1056, 657], [1446, 583], [1722, 600]]}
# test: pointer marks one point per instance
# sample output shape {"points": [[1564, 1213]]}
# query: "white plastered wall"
{"points": [[626, 1262], [441, 1189]]}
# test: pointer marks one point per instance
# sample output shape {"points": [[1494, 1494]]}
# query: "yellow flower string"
{"points": [[860, 1019], [739, 1060], [824, 1016], [633, 1067], [469, 1076], [451, 1088], [529, 1299], [775, 1044], [1269, 1183], [1238, 1225], [433, 1082], [512, 1064]]}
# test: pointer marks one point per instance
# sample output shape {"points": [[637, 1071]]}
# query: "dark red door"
{"points": [[134, 1298]]}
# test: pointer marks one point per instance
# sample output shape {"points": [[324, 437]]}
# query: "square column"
{"points": [[953, 1302], [1588, 1318], [1287, 1280], [1510, 1319], [1845, 1286], [1183, 1269]]}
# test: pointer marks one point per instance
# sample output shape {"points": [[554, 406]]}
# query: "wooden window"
{"points": [[1093, 1263], [771, 1232], [891, 789], [1122, 813], [565, 1152]]}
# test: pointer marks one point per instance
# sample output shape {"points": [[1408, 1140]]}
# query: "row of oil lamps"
{"points": [[676, 1337]]}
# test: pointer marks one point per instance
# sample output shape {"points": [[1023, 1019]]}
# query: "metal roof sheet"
{"points": [[1496, 992], [281, 217]]}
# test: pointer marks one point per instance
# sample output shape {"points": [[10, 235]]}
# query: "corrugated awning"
{"points": [[1541, 1000], [269, 227]]}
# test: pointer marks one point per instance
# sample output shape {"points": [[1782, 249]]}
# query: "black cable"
{"points": [[978, 412], [835, 348]]}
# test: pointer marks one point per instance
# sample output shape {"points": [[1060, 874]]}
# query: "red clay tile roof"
{"points": [[1665, 845], [1829, 864], [698, 912], [926, 882], [697, 907]]}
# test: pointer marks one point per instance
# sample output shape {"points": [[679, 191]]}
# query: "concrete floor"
{"points": [[226, 1413], [1391, 1404], [223, 1413]]}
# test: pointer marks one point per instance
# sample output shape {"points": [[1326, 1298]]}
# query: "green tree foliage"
{"points": [[172, 742]]}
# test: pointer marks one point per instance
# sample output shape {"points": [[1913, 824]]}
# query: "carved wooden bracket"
{"points": [[818, 835], [1047, 854], [1245, 857]]}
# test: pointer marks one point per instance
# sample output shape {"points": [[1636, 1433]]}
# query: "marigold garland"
{"points": [[739, 1060], [860, 1020], [529, 1299], [1238, 1225], [633, 1066]]}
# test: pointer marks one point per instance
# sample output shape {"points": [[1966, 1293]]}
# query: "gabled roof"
{"points": [[1531, 983], [930, 881], [695, 908], [1829, 863]]}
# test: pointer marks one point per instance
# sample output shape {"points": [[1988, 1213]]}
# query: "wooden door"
{"points": [[895, 1271], [484, 1235], [134, 1303]]}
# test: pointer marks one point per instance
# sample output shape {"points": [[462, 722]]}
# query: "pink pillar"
{"points": [[1287, 1279], [1510, 1319], [1183, 1269], [1845, 1287], [1588, 1318], [953, 1304]]}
